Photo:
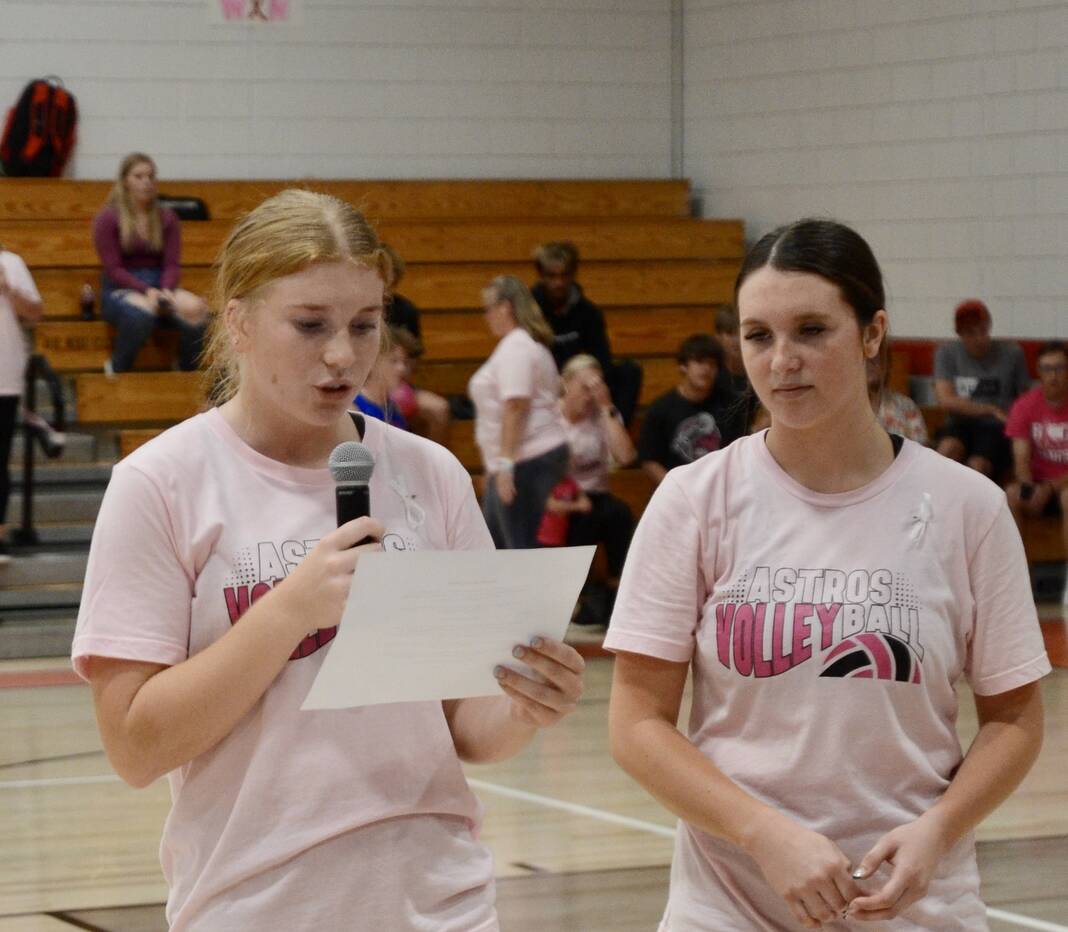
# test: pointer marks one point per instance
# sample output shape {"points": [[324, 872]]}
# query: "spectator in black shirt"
{"points": [[578, 324], [696, 417]]}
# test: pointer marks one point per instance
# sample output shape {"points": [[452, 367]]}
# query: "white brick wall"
{"points": [[393, 88], [939, 128]]}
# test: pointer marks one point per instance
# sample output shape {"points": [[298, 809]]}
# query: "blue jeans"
{"points": [[515, 526], [134, 326]]}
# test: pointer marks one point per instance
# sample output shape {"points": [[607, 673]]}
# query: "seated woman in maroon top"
{"points": [[139, 244]]}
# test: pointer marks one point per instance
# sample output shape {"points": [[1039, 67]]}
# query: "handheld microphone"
{"points": [[351, 465]]}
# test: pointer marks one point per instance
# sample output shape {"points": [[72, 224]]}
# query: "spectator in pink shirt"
{"points": [[139, 244], [1038, 429], [216, 577]]}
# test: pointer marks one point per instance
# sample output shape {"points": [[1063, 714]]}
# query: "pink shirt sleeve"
{"points": [[109, 249], [516, 369], [662, 590], [1006, 649], [172, 249], [138, 591], [1018, 423]]}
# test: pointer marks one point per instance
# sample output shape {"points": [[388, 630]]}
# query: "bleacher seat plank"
{"points": [[458, 286], [138, 397], [60, 288], [132, 438], [615, 284], [68, 243], [66, 199], [77, 346]]}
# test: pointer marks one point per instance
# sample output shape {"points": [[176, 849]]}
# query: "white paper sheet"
{"points": [[433, 625]]}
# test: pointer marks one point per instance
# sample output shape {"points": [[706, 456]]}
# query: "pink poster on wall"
{"points": [[255, 11]]}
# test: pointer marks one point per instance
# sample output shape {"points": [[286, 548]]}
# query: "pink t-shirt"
{"points": [[590, 452], [297, 820], [14, 344], [826, 633], [518, 367], [1035, 419]]}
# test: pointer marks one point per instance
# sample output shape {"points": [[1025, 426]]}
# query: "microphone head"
{"points": [[351, 462]]}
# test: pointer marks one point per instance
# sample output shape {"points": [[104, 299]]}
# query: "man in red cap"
{"points": [[976, 381]]}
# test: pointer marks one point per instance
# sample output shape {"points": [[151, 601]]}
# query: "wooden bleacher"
{"points": [[657, 272]]}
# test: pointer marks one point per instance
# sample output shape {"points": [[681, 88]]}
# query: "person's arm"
{"points": [[1007, 745], [802, 866], [595, 337], [514, 413], [651, 445], [493, 728], [952, 403], [172, 251], [619, 443], [154, 718], [109, 249], [1021, 459], [28, 307]]}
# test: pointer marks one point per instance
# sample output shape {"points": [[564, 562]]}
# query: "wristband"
{"points": [[503, 464]]}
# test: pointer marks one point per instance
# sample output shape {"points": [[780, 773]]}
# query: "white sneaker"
{"points": [[108, 371], [5, 554], [1064, 597]]}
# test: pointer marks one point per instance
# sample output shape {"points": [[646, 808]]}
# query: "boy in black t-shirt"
{"points": [[696, 417]]}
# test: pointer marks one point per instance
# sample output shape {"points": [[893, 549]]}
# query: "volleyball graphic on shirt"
{"points": [[859, 623], [873, 656]]}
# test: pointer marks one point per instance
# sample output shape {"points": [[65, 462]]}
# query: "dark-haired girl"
{"points": [[828, 583]]}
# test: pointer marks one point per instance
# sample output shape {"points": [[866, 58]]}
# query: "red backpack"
{"points": [[40, 130]]}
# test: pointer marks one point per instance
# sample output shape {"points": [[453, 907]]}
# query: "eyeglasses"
{"points": [[1053, 368]]}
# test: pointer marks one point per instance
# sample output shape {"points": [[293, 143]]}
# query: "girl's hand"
{"points": [[914, 851], [806, 869], [316, 591], [152, 296], [505, 486], [554, 693]]}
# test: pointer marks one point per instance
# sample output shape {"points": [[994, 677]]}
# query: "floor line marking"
{"points": [[576, 808], [602, 815], [57, 781], [1025, 922]]}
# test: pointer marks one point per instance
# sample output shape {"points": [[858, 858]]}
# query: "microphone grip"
{"points": [[354, 501]]}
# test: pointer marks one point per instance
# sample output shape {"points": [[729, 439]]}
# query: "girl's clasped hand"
{"points": [[818, 883]]}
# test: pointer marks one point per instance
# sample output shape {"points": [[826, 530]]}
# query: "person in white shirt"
{"points": [[20, 310], [518, 429]]}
